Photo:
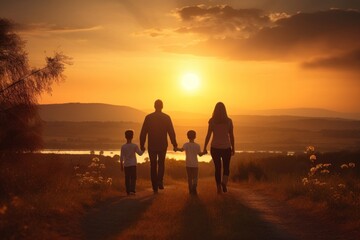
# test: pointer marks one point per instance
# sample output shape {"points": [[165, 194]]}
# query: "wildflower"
{"points": [[313, 157], [317, 182], [327, 165], [76, 168], [325, 171], [3, 210], [344, 166], [352, 165], [313, 170], [341, 185], [93, 165], [109, 181], [95, 159], [305, 181], [102, 166], [310, 149]]}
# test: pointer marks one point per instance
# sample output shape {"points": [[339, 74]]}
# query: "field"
{"points": [[83, 197], [276, 133]]}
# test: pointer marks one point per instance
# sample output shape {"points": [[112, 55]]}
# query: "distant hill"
{"points": [[80, 112], [305, 112]]}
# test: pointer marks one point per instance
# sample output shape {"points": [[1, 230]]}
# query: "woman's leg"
{"points": [[226, 156], [216, 156]]}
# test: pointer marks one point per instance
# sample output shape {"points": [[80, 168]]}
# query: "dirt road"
{"points": [[242, 213]]}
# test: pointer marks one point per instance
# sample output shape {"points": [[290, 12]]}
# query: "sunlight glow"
{"points": [[190, 82]]}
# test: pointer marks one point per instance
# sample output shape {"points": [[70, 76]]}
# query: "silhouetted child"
{"points": [[192, 150], [128, 161]]}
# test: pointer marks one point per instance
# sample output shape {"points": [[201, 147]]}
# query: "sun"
{"points": [[190, 82]]}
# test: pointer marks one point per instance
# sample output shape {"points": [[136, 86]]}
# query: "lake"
{"points": [[140, 159]]}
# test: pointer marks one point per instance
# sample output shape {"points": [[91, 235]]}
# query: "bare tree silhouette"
{"points": [[20, 87]]}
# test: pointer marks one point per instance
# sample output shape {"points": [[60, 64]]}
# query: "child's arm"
{"points": [[179, 149], [202, 153], [121, 162], [138, 151]]}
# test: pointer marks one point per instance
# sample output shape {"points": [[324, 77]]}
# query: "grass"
{"points": [[324, 187], [41, 196]]}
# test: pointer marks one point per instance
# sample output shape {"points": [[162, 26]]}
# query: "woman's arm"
{"points": [[231, 135], [207, 138]]}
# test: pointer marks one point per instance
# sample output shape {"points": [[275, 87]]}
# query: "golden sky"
{"points": [[252, 55]]}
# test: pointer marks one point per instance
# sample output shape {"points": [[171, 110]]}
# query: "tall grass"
{"points": [[329, 178], [40, 194]]}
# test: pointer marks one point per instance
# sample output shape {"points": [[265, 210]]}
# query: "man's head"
{"points": [[158, 105]]}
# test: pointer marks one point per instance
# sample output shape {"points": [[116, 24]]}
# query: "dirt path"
{"points": [[173, 214], [294, 223]]}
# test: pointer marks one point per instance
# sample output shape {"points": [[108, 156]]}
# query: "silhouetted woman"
{"points": [[222, 144]]}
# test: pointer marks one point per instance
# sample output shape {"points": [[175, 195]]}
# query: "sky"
{"points": [[250, 54]]}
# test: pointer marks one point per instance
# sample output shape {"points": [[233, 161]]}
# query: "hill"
{"points": [[93, 112], [101, 126], [305, 112]]}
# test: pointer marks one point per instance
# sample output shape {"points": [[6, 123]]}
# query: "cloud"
{"points": [[349, 60], [52, 28], [221, 20], [250, 34]]}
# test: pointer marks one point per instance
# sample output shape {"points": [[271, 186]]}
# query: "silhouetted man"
{"points": [[157, 126]]}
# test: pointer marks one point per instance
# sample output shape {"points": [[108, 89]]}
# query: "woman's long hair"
{"points": [[220, 114]]}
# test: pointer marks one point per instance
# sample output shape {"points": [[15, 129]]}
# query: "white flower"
{"points": [[352, 165], [305, 181], [96, 159], [93, 165], [325, 171], [313, 157], [341, 185], [344, 166], [310, 149], [313, 170]]}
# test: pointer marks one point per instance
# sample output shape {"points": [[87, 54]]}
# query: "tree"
{"points": [[20, 88]]}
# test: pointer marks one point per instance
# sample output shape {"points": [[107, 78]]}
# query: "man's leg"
{"points": [[161, 170], [153, 170]]}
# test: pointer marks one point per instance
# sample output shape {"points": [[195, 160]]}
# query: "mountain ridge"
{"points": [[77, 112]]}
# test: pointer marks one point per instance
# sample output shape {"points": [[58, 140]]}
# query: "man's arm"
{"points": [[171, 133], [143, 133]]}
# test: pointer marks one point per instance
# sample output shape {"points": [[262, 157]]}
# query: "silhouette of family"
{"points": [[157, 127]]}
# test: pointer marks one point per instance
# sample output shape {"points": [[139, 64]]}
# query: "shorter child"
{"points": [[128, 161], [192, 150]]}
